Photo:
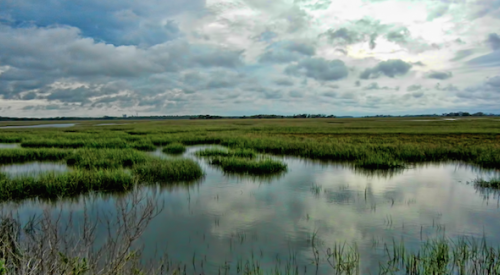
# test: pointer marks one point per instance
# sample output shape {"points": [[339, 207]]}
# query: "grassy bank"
{"points": [[51, 185], [174, 148], [250, 166], [99, 173], [240, 153]]}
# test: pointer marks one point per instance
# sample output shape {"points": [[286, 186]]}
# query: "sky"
{"points": [[246, 57]]}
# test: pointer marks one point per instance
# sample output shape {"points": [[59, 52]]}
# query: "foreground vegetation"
{"points": [[47, 245], [102, 171]]}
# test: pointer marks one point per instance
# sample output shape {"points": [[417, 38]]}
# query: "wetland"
{"points": [[359, 196]]}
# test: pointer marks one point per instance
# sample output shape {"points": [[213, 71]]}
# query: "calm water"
{"points": [[62, 125], [33, 168], [227, 218]]}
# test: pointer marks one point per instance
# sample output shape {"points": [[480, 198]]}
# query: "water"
{"points": [[62, 125], [228, 217], [9, 145], [33, 168]]}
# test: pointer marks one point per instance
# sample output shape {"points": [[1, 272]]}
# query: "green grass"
{"points": [[54, 185], [174, 148], [243, 165], [442, 256], [106, 158], [19, 155], [240, 152], [160, 170], [83, 180], [492, 183]]}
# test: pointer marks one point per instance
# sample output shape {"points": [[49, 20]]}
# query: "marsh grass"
{"points": [[143, 145], [106, 158], [174, 149], [19, 155], [250, 166], [54, 185], [492, 183], [441, 256], [168, 170], [239, 152]]}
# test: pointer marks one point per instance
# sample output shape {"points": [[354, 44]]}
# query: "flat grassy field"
{"points": [[120, 151]]}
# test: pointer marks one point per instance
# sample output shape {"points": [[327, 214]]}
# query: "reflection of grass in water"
{"points": [[174, 149], [441, 256], [435, 256], [384, 173], [379, 161], [256, 178], [316, 189], [491, 183]]}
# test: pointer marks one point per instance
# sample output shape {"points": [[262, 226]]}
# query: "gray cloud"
{"points": [[347, 37], [439, 75], [278, 56], [295, 94], [375, 86], [412, 88], [319, 69], [219, 58], [419, 63], [286, 51], [487, 60], [494, 81], [449, 88], [462, 54], [438, 12], [390, 68], [283, 82], [494, 41], [330, 94], [417, 94], [357, 83], [367, 30], [301, 48], [400, 35]]}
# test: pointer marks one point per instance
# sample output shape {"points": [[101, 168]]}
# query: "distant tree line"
{"points": [[261, 116]]}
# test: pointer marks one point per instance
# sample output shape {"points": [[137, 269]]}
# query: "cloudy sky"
{"points": [[241, 57]]}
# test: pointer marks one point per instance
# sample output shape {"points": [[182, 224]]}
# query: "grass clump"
{"points": [[160, 170], [106, 158], [492, 183], [174, 149], [242, 153], [255, 167], [19, 155], [54, 185], [143, 145]]}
